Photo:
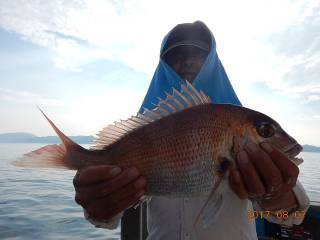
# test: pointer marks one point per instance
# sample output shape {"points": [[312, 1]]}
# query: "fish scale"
{"points": [[180, 160]]}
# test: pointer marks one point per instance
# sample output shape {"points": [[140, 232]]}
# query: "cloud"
{"points": [[91, 113], [26, 97], [131, 31], [313, 98], [298, 51], [80, 32]]}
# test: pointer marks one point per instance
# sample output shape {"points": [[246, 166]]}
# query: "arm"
{"points": [[106, 191], [268, 177]]}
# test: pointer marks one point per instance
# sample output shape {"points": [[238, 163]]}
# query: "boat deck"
{"points": [[308, 230]]}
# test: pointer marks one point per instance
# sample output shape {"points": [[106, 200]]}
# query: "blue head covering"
{"points": [[211, 79]]}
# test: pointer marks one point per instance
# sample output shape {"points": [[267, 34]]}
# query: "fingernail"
{"points": [[252, 195], [243, 157], [115, 171], [267, 147], [140, 183], [267, 196], [290, 181], [140, 194], [252, 147], [133, 172], [272, 189]]}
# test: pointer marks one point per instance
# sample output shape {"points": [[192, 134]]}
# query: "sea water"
{"points": [[39, 203]]}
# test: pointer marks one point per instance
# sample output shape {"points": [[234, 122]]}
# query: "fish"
{"points": [[183, 146]]}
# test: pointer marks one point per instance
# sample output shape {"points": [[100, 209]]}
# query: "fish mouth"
{"points": [[292, 151]]}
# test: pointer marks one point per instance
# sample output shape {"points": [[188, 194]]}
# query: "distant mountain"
{"points": [[310, 148], [17, 137], [21, 137]]}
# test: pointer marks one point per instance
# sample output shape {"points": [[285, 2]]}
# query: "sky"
{"points": [[89, 63]]}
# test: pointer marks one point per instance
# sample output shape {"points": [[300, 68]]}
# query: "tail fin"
{"points": [[51, 156]]}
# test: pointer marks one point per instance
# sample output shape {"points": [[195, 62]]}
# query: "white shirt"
{"points": [[169, 218], [174, 219]]}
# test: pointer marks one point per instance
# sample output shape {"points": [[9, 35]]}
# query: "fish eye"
{"points": [[265, 129]]}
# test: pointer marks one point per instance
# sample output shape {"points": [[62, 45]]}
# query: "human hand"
{"points": [[265, 174], [104, 191]]}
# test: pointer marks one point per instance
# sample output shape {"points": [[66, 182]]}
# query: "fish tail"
{"points": [[64, 155]]}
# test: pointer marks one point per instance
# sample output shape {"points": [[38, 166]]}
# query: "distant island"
{"points": [[310, 148], [22, 137]]}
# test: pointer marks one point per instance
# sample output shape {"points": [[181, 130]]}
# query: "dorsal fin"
{"points": [[188, 97]]}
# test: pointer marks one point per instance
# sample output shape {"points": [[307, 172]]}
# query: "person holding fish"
{"points": [[260, 176], [205, 160]]}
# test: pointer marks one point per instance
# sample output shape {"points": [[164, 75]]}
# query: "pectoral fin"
{"points": [[212, 211], [211, 208]]}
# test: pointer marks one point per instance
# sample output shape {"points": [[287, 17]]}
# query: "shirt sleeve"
{"points": [[295, 216], [109, 224]]}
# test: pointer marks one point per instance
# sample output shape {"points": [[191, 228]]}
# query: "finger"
{"points": [[126, 203], [95, 174], [269, 172], [129, 190], [103, 211], [87, 194], [237, 184], [287, 168], [250, 177], [123, 193]]}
